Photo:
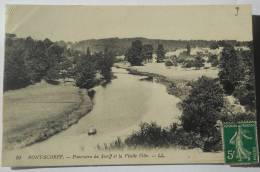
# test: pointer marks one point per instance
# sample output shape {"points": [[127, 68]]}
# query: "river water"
{"points": [[119, 108]]}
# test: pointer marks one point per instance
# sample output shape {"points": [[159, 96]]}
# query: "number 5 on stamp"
{"points": [[240, 143]]}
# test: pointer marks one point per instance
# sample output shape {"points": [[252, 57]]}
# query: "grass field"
{"points": [[39, 111], [172, 73]]}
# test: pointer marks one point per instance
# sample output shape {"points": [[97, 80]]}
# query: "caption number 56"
{"points": [[230, 154]]}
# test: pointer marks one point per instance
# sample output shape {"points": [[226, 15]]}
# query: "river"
{"points": [[118, 110]]}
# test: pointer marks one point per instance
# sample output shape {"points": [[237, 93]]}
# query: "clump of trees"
{"points": [[89, 65], [160, 53], [28, 61], [85, 72], [230, 69], [202, 107], [139, 53], [245, 89], [237, 74], [213, 60], [134, 53], [147, 52], [196, 62]]}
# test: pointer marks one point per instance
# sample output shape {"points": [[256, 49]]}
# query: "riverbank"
{"points": [[40, 111], [175, 85]]}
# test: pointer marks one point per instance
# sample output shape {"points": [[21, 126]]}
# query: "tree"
{"points": [[213, 60], [88, 52], [160, 53], [85, 73], [15, 75], [188, 49], [230, 69], [214, 45], [66, 69], [202, 107], [105, 64], [134, 53], [198, 62], [245, 90], [147, 52]]}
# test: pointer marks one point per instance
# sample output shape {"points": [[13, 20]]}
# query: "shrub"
{"points": [[246, 95], [149, 135], [152, 135], [213, 59], [117, 144], [168, 63], [196, 62]]}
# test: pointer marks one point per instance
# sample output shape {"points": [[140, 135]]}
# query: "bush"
{"points": [[197, 62], [149, 135], [246, 95], [213, 60], [202, 107], [152, 135], [168, 63]]}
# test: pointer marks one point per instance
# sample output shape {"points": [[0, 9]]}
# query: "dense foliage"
{"points": [[202, 107], [230, 69], [237, 75], [245, 90], [134, 53], [196, 61], [138, 53], [213, 60], [147, 52], [160, 53], [28, 61], [89, 65]]}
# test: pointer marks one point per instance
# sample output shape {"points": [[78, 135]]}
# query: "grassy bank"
{"points": [[35, 113], [177, 87]]}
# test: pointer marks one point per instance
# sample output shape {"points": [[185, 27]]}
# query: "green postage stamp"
{"points": [[240, 142]]}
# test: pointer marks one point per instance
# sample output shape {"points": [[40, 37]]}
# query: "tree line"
{"points": [[28, 61], [139, 53]]}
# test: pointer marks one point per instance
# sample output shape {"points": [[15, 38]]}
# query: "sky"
{"points": [[75, 23]]}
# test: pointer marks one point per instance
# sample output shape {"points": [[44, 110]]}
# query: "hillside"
{"points": [[120, 45]]}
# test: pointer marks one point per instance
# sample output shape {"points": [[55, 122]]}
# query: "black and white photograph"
{"points": [[118, 85]]}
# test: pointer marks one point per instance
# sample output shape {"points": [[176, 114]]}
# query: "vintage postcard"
{"points": [[122, 85]]}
